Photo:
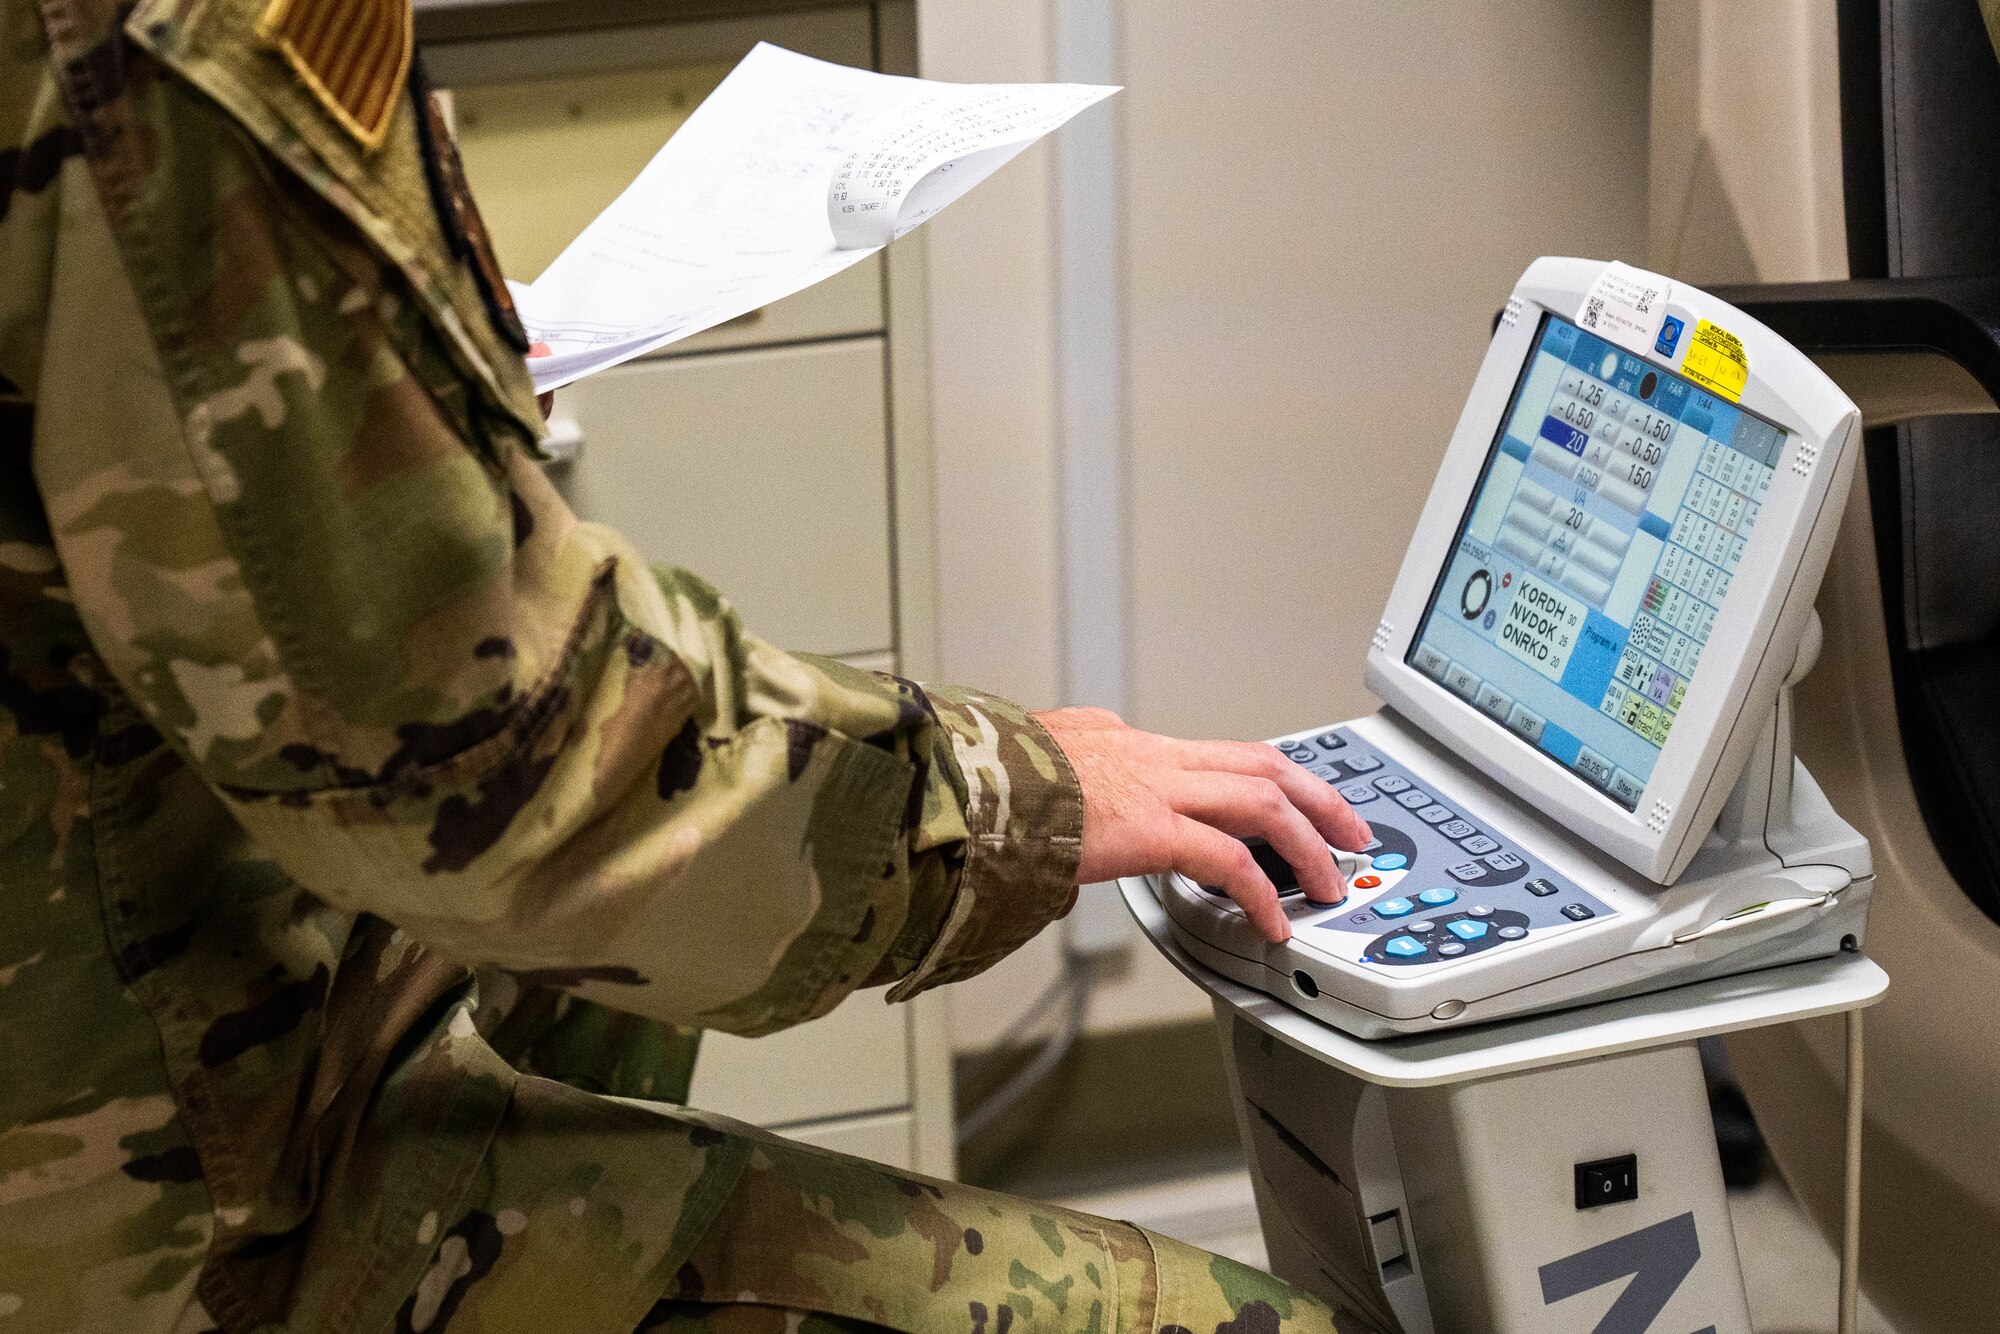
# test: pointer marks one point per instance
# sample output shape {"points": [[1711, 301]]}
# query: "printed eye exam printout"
{"points": [[792, 170]]}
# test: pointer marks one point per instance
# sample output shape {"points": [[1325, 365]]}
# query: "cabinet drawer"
{"points": [[882, 1139], [855, 1059], [765, 472]]}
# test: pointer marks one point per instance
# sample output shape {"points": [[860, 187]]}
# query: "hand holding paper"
{"points": [[791, 171]]}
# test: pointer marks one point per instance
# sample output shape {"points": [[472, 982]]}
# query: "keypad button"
{"points": [[1465, 930], [1493, 702], [1594, 766], [1505, 861], [1361, 763], [1435, 814], [1525, 723], [1479, 845], [1422, 928], [1467, 871], [1405, 947], [1368, 882], [1458, 829], [1480, 910], [1577, 912], [1451, 948], [1392, 784], [1299, 754], [1395, 908], [1330, 740], [1356, 793], [1513, 932], [1541, 888], [1438, 897], [1391, 861], [1415, 799]]}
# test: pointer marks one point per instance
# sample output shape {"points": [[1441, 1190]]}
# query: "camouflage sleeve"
{"points": [[289, 465]]}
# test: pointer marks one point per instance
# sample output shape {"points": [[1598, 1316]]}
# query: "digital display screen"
{"points": [[1587, 573]]}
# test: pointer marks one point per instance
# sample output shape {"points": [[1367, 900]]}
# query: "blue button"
{"points": [[1466, 930], [1391, 861], [1438, 897], [1564, 436], [1670, 336], [1394, 908], [1405, 947]]}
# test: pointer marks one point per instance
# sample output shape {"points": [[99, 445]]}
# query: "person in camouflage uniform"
{"points": [[314, 698]]}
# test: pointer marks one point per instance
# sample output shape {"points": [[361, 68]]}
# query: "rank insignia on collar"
{"points": [[352, 54]]}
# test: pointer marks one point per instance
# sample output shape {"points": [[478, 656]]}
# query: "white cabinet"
{"points": [[854, 1060], [783, 456], [764, 471]]}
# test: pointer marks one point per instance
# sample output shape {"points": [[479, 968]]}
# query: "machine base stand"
{"points": [[1551, 1175], [1481, 1210]]}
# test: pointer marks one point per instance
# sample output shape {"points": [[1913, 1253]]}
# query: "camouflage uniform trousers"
{"points": [[815, 1242]]}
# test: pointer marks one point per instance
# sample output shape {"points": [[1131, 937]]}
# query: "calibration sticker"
{"points": [[1716, 361]]}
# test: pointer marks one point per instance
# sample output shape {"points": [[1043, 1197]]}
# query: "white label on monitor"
{"points": [[1625, 306]]}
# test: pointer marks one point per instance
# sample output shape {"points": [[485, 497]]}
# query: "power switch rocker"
{"points": [[1607, 1181]]}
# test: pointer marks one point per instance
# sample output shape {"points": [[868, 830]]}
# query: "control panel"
{"points": [[1437, 885]]}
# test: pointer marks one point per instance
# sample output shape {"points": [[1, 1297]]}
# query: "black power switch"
{"points": [[1607, 1181]]}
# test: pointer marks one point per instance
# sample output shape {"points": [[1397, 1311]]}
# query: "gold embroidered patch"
{"points": [[352, 54]]}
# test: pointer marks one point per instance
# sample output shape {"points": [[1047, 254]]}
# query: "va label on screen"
{"points": [[1541, 627]]}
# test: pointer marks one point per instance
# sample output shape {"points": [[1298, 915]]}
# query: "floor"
{"points": [[1791, 1272]]}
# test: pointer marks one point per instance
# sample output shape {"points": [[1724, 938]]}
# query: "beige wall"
{"points": [[1746, 182], [992, 313], [1326, 202]]}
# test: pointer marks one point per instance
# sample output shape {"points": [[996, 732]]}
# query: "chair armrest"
{"points": [[1899, 347]]}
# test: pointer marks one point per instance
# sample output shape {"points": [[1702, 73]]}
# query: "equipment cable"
{"points": [[1070, 990], [1850, 1218]]}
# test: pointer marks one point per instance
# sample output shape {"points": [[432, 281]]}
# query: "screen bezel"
{"points": [[1544, 319], [1757, 628]]}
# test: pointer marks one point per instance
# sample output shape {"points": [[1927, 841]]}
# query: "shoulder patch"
{"points": [[352, 54]]}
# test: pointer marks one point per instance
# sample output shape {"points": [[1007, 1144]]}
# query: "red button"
{"points": [[1368, 882]]}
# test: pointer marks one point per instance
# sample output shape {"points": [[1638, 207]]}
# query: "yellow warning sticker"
{"points": [[1716, 361]]}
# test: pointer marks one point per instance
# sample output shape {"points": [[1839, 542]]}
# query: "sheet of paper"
{"points": [[792, 170]]}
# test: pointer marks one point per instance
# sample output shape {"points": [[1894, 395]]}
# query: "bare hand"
{"points": [[1153, 804]]}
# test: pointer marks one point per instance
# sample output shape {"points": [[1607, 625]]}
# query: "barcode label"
{"points": [[1625, 306]]}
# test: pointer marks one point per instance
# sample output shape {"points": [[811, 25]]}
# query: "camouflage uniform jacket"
{"points": [[313, 694]]}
